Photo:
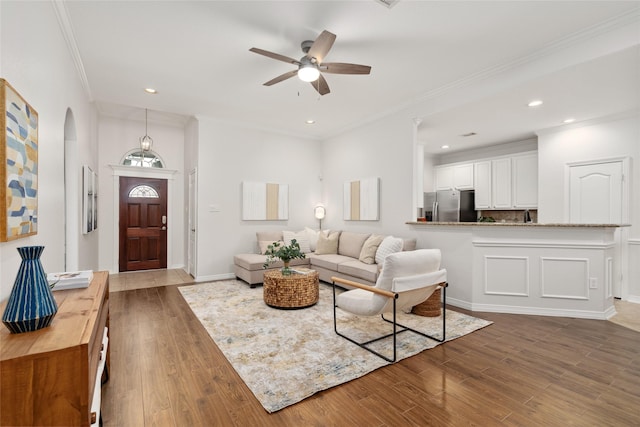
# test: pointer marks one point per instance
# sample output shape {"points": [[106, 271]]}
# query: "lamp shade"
{"points": [[145, 143], [319, 211]]}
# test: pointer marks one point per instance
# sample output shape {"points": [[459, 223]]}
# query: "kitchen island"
{"points": [[527, 268]]}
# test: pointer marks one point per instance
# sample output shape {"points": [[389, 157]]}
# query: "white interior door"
{"points": [[596, 193], [596, 197], [191, 262]]}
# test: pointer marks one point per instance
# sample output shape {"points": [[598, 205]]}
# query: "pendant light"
{"points": [[146, 142]]}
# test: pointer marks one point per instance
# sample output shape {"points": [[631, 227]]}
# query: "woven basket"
{"points": [[294, 291], [431, 307]]}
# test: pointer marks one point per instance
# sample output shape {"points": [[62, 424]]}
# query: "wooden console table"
{"points": [[48, 377]]}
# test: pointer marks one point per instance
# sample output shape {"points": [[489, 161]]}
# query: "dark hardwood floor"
{"points": [[522, 370]]}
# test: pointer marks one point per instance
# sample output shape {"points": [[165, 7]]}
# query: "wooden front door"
{"points": [[143, 224]]}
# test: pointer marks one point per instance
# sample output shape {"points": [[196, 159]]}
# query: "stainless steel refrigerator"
{"points": [[450, 206]]}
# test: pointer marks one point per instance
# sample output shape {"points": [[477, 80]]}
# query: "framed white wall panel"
{"points": [[265, 201], [506, 275], [361, 200], [566, 278]]}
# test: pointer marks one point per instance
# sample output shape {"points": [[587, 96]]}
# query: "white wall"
{"points": [[381, 149], [116, 137], [227, 156], [38, 65], [602, 140]]}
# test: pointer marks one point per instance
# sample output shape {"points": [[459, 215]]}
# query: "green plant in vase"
{"points": [[286, 253]]}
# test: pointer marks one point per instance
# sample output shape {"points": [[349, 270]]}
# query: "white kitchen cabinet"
{"points": [[454, 177], [525, 181], [482, 181], [501, 183], [443, 178], [463, 177]]}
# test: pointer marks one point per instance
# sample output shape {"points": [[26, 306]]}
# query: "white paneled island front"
{"points": [[543, 269]]}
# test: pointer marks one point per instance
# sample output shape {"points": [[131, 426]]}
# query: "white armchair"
{"points": [[407, 279]]}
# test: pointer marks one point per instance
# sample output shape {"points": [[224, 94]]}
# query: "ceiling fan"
{"points": [[311, 65]]}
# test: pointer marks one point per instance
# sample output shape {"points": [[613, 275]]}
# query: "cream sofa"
{"points": [[345, 262]]}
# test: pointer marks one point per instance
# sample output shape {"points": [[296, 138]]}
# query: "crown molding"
{"points": [[64, 21], [623, 115]]}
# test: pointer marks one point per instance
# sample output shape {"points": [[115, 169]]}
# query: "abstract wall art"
{"points": [[18, 165], [265, 201], [361, 200]]}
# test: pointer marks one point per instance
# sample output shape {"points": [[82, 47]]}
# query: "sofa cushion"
{"points": [[253, 262], [264, 245], [328, 261], [301, 237], [369, 249], [388, 246], [359, 269], [267, 237], [351, 243], [328, 244], [250, 262]]}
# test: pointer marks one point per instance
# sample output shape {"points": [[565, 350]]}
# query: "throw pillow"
{"points": [[301, 237], [313, 237], [388, 246], [369, 249], [328, 244], [350, 243]]}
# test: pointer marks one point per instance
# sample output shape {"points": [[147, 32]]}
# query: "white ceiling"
{"points": [[196, 54]]}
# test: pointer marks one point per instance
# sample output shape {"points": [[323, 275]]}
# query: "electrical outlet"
{"points": [[593, 283]]}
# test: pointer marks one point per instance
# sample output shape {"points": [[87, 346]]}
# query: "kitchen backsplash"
{"points": [[510, 216]]}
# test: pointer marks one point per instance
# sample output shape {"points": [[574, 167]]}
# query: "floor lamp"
{"points": [[319, 211]]}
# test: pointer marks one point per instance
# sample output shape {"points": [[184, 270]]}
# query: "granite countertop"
{"points": [[511, 224]]}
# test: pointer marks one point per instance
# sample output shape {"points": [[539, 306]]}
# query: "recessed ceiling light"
{"points": [[444, 147], [310, 122], [571, 120], [150, 90], [535, 103]]}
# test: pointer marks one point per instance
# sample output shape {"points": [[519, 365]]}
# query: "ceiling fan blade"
{"points": [[344, 68], [275, 56], [281, 77], [321, 46], [321, 85]]}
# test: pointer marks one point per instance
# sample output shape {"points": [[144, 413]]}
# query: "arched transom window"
{"points": [[143, 191], [147, 159]]}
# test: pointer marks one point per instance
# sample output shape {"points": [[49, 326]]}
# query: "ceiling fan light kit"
{"points": [[311, 65], [308, 73]]}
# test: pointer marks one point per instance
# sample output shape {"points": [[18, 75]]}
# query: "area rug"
{"points": [[285, 356]]}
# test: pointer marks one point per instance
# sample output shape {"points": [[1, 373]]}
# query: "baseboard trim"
{"points": [[633, 298], [535, 311]]}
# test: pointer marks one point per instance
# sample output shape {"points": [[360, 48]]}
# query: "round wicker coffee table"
{"points": [[294, 291]]}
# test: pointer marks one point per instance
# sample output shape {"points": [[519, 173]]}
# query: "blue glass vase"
{"points": [[31, 305]]}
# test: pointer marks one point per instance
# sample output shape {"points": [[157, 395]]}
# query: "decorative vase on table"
{"points": [[31, 305], [286, 271]]}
